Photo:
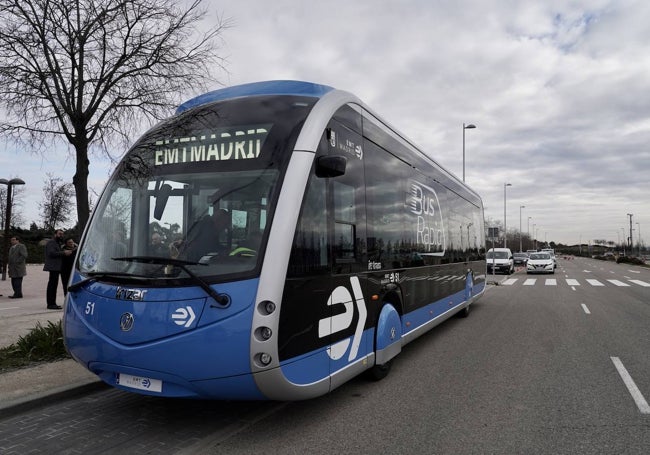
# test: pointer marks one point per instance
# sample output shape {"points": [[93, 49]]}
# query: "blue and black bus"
{"points": [[269, 241]]}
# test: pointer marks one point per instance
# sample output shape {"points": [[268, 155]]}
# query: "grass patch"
{"points": [[41, 344]]}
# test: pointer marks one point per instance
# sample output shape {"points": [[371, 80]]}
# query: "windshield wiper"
{"points": [[94, 276], [223, 300]]}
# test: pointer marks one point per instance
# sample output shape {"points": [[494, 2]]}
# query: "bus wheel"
{"points": [[379, 372], [464, 312]]}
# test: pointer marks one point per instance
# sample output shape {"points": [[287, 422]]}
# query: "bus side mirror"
{"points": [[330, 166]]}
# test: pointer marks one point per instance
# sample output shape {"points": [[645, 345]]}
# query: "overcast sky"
{"points": [[559, 92]]}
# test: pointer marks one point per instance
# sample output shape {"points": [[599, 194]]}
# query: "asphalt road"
{"points": [[543, 367]]}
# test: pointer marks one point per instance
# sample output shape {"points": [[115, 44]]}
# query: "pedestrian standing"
{"points": [[67, 262], [54, 254], [17, 267]]}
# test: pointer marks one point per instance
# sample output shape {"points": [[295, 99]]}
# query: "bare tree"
{"points": [[57, 202], [90, 72]]}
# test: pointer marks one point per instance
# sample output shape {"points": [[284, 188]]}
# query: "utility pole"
{"points": [[631, 243]]}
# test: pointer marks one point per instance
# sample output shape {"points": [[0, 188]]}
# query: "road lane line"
{"points": [[618, 283], [510, 281], [572, 282], [584, 307], [10, 308], [551, 282], [530, 281], [595, 282], [641, 283], [637, 396]]}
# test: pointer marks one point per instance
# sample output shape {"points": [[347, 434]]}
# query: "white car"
{"points": [[540, 263], [500, 260]]}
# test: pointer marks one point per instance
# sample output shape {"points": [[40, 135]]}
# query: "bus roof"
{"points": [[280, 87]]}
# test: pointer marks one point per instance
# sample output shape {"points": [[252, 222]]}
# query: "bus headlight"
{"points": [[264, 333], [266, 307], [264, 358]]}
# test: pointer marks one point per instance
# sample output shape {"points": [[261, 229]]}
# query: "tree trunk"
{"points": [[80, 182]]}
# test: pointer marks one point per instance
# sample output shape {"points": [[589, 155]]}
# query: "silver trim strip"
{"points": [[421, 330]]}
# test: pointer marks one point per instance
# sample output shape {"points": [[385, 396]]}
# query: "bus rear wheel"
{"points": [[379, 372]]}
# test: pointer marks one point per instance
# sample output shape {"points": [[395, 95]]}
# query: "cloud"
{"points": [[558, 91]]}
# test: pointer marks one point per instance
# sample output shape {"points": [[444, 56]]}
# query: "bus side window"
{"points": [[310, 246], [387, 233], [344, 222], [347, 200]]}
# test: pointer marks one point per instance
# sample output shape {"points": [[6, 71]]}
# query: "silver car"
{"points": [[540, 263]]}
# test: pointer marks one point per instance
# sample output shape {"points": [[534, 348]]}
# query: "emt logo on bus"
{"points": [[429, 230], [327, 326], [238, 144]]}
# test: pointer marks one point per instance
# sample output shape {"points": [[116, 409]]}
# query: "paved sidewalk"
{"points": [[24, 387]]}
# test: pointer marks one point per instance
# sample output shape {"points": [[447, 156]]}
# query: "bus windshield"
{"points": [[198, 189], [215, 221]]}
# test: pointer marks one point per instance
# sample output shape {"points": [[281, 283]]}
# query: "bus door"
{"points": [[324, 301], [348, 300]]}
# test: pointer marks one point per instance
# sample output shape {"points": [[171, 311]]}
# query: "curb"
{"points": [[23, 404]]}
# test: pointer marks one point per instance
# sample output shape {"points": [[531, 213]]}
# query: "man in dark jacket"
{"points": [[53, 261], [17, 267]]}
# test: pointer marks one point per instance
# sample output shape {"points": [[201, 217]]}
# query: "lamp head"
{"points": [[14, 181]]}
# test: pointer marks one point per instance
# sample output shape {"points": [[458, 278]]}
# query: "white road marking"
{"points": [[10, 308], [634, 271], [618, 283], [510, 281], [584, 307], [640, 283], [530, 282], [595, 283], [637, 396], [572, 282], [551, 282]]}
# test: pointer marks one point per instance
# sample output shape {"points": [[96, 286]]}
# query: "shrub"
{"points": [[629, 260], [39, 345]]}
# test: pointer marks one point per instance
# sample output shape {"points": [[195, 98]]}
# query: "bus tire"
{"points": [[379, 372], [464, 312]]}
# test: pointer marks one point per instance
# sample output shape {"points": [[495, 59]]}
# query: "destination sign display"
{"points": [[242, 143]]}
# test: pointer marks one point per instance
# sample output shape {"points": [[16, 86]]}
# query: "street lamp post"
{"points": [[520, 233], [505, 226], [465, 127], [528, 230], [631, 242], [5, 256]]}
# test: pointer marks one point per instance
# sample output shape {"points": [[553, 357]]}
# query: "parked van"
{"points": [[500, 260]]}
